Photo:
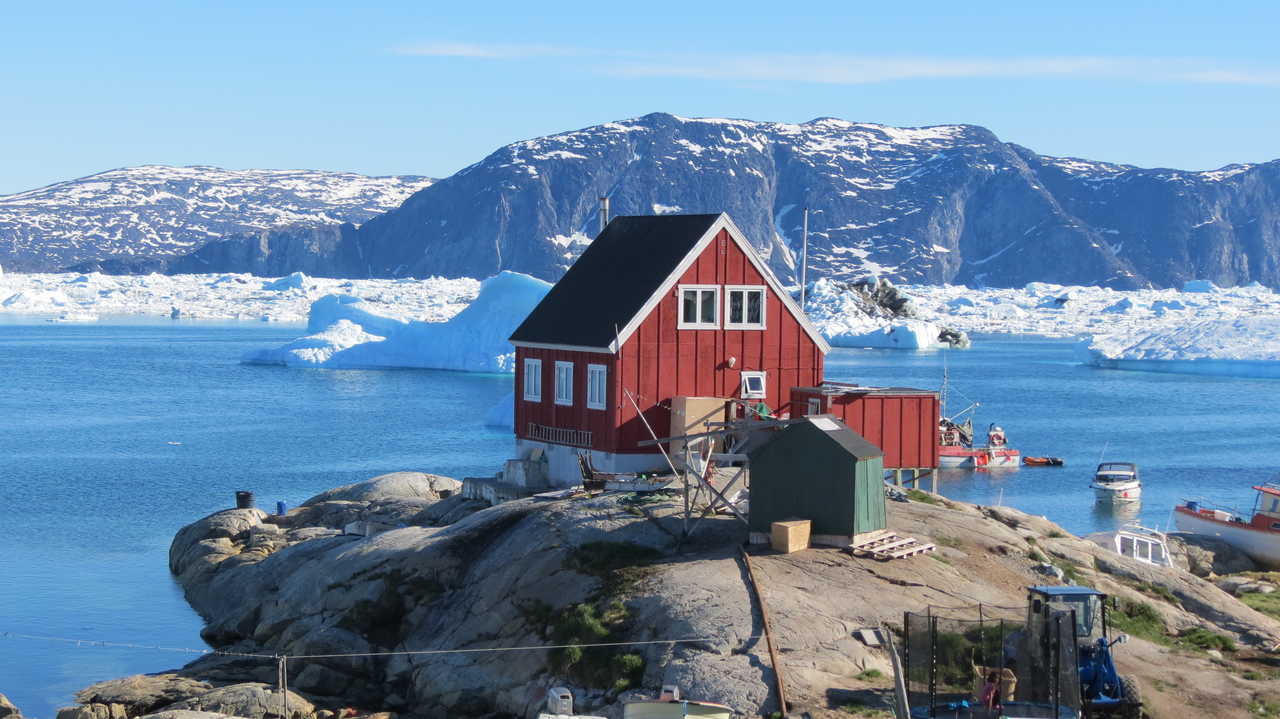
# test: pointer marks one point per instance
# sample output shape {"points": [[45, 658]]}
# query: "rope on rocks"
{"points": [[127, 645]]}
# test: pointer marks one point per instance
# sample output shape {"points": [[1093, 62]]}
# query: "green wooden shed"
{"points": [[822, 471]]}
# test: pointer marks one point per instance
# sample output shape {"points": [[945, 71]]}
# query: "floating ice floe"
{"points": [[350, 333], [907, 335], [226, 296], [1241, 347]]}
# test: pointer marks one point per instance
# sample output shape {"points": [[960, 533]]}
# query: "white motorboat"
{"points": [[1117, 482], [1136, 542]]}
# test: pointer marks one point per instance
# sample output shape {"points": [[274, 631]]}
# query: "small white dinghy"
{"points": [[1117, 482]]}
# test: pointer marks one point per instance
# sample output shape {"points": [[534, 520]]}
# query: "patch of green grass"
{"points": [[1035, 556], [919, 495], [1069, 573], [605, 667], [1157, 591], [868, 674], [1202, 638], [1253, 676], [943, 540], [857, 708], [939, 558], [619, 565], [1056, 534], [1140, 620], [1031, 541], [1264, 707], [1268, 604]]}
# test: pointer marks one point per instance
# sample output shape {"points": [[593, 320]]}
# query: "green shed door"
{"points": [[868, 498]]}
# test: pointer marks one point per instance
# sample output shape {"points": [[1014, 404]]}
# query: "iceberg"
{"points": [[1241, 347], [347, 332], [909, 335]]}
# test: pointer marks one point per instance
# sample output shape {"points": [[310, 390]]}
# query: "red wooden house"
{"points": [[657, 307]]}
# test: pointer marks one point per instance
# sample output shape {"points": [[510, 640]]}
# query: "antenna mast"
{"points": [[604, 212], [804, 258]]}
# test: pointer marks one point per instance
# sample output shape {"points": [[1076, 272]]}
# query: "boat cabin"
{"points": [[1136, 542], [658, 309], [1116, 472]]}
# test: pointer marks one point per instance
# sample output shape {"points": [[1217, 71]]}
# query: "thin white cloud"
{"points": [[838, 69], [478, 51]]}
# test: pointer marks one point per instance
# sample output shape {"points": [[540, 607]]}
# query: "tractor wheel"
{"points": [[1132, 698]]}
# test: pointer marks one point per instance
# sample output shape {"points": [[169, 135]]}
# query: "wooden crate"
{"points": [[791, 535]]}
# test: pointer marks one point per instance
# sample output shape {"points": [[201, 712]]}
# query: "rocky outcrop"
{"points": [[1208, 556], [143, 693], [253, 701], [584, 570], [170, 696], [7, 709]]}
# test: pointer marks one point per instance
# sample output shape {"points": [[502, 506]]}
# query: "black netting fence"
{"points": [[989, 664]]}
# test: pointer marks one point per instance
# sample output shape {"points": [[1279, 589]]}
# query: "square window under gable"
{"points": [[699, 307], [744, 307]]}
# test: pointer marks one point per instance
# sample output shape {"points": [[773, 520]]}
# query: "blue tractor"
{"points": [[1103, 692]]}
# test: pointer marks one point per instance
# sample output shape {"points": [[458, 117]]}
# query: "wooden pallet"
{"points": [[886, 545]]}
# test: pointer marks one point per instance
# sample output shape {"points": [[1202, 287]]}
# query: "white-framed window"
{"points": [[533, 380], [752, 385], [815, 406], [564, 383], [744, 307], [699, 307], [597, 376]]}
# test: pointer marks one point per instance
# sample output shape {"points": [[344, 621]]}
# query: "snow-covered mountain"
{"points": [[946, 204], [158, 211]]}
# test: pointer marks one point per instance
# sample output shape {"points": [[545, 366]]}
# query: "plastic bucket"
{"points": [[281, 508], [244, 500]]}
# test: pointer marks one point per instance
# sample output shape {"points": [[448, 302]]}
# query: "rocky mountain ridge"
{"points": [[944, 204], [934, 205], [135, 217]]}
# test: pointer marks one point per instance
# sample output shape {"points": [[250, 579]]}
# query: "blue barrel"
{"points": [[1193, 506], [281, 508]]}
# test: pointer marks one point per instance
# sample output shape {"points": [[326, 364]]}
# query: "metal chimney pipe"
{"points": [[604, 212]]}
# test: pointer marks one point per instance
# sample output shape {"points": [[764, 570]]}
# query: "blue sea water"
{"points": [[114, 435]]}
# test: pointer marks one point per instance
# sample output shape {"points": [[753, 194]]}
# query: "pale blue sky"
{"points": [[418, 88]]}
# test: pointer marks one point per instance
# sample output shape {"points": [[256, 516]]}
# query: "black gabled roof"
{"points": [[612, 280]]}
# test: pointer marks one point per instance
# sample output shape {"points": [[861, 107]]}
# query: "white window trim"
{"points": [[681, 324], [536, 365], [764, 304], [567, 399], [813, 406], [747, 394], [603, 372]]}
